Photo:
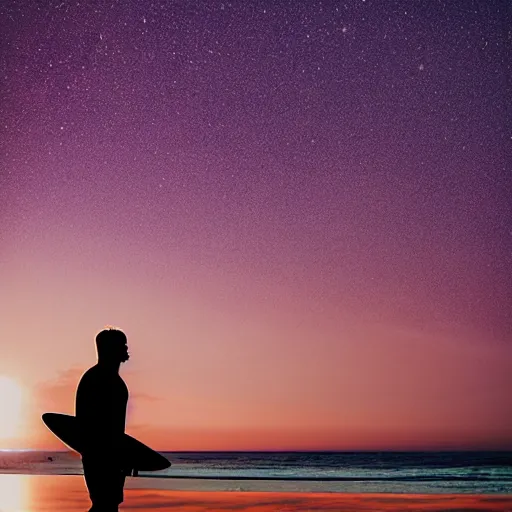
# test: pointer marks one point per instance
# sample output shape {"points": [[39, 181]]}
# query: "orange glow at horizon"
{"points": [[381, 387], [246, 439], [186, 420], [11, 397]]}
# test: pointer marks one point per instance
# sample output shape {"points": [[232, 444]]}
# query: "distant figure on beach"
{"points": [[101, 400]]}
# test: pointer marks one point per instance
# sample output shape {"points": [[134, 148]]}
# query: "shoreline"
{"points": [[211, 483]]}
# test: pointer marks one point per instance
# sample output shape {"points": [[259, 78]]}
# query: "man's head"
{"points": [[111, 345]]}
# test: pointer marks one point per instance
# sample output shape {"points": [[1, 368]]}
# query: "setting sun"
{"points": [[10, 398]]}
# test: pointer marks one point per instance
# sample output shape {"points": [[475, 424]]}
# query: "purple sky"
{"points": [[258, 181]]}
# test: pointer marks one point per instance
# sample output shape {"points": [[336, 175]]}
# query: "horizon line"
{"points": [[302, 450]]}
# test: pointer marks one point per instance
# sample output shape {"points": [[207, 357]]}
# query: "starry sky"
{"points": [[299, 213]]}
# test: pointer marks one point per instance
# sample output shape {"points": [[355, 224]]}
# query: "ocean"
{"points": [[396, 472]]}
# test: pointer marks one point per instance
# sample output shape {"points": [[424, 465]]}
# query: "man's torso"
{"points": [[100, 409]]}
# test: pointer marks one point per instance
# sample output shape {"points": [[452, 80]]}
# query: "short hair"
{"points": [[108, 339]]}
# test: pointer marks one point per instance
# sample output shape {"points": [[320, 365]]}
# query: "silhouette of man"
{"points": [[100, 409]]}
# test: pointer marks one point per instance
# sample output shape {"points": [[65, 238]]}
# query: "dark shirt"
{"points": [[101, 400]]}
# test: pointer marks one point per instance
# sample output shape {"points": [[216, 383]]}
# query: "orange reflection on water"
{"points": [[158, 500], [30, 493], [13, 494]]}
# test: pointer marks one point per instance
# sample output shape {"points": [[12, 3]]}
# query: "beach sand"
{"points": [[38, 493]]}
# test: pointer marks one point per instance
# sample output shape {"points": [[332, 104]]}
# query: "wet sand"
{"points": [[37, 493]]}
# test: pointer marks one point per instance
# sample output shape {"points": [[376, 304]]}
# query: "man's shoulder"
{"points": [[89, 375]]}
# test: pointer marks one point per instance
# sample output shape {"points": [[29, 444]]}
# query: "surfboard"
{"points": [[139, 456]]}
